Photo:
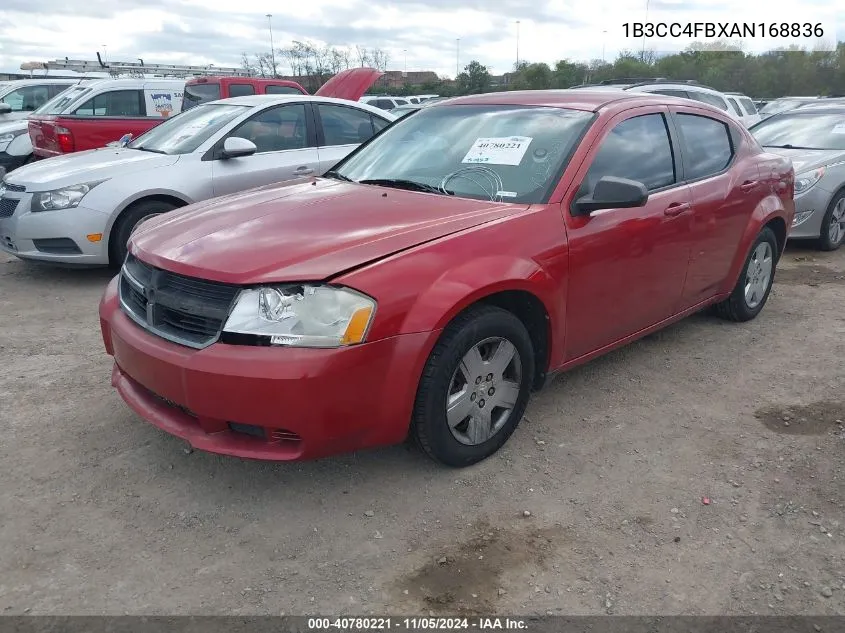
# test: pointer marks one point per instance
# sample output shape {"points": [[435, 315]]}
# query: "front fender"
{"points": [[770, 208]]}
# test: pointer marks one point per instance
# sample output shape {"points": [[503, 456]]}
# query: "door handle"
{"points": [[676, 209], [303, 171], [748, 185]]}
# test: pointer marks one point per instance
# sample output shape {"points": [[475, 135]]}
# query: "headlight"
{"points": [[807, 179], [64, 198], [5, 139], [303, 315]]}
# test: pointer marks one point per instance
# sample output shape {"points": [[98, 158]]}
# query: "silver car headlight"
{"points": [[64, 198], [806, 180], [303, 315]]}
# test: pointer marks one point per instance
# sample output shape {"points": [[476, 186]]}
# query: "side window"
{"points": [[400, 102], [706, 97], [672, 93], [241, 90], [384, 104], [276, 129], [345, 126], [378, 123], [735, 106], [114, 103], [281, 90], [27, 99], [748, 105], [55, 89], [638, 149], [707, 145]]}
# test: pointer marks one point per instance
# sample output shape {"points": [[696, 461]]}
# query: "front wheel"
{"points": [[755, 281], [475, 387], [128, 220], [833, 225]]}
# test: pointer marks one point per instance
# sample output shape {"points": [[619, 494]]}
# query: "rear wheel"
{"points": [[833, 225], [755, 281], [475, 387], [131, 217]]}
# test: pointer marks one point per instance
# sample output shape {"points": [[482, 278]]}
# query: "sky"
{"points": [[416, 34]]}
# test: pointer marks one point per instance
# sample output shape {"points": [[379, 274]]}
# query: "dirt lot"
{"points": [[102, 513]]}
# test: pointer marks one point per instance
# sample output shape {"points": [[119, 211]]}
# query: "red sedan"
{"points": [[442, 272]]}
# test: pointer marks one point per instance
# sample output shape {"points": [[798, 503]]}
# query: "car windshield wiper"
{"points": [[337, 176], [148, 149], [401, 183], [788, 146]]}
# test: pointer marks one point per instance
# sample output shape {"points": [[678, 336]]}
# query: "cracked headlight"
{"points": [[64, 198], [303, 315]]}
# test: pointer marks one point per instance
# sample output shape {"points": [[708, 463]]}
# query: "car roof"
{"points": [[255, 101], [18, 83], [587, 99], [832, 108]]}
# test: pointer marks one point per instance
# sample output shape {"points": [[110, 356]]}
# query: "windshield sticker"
{"points": [[505, 150], [506, 194], [839, 128]]}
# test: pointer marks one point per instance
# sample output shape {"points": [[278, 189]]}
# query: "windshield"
{"points": [[803, 129], [195, 94], [509, 153], [185, 132], [61, 101], [781, 105]]}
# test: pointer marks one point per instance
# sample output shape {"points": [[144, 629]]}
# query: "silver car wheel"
{"points": [[758, 274], [836, 230], [484, 390]]}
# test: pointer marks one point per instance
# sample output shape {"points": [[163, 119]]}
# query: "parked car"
{"points": [[672, 88], [784, 104], [80, 209], [743, 107], [402, 110], [442, 271], [102, 111], [15, 144], [21, 97], [385, 103], [814, 139]]}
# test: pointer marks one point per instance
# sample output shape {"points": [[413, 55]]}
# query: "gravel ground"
{"points": [[594, 506]]}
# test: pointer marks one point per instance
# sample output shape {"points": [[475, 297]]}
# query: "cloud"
{"points": [[423, 32]]}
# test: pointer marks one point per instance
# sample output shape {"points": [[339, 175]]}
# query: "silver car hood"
{"points": [[89, 166], [807, 159]]}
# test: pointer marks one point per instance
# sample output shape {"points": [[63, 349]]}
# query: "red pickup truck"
{"points": [[91, 115]]}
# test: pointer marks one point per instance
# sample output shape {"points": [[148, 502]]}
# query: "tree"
{"points": [[475, 79]]}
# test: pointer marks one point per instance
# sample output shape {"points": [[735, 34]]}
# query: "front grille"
{"points": [[7, 207], [15, 188], [181, 309]]}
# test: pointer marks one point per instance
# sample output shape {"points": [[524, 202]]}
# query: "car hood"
{"points": [[806, 159], [349, 84], [79, 167], [302, 231]]}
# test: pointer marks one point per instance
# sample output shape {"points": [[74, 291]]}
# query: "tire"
{"points": [[127, 221], [835, 214], [486, 426], [739, 306]]}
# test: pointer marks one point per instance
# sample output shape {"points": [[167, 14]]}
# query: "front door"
{"points": [[341, 129], [627, 266], [286, 149]]}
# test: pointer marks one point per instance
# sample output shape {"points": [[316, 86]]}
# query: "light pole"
{"points": [[646, 19], [105, 53], [603, 42], [457, 57], [517, 45], [405, 51], [272, 51]]}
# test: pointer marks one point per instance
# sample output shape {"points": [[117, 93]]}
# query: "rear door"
{"points": [[725, 185], [287, 148], [627, 266], [341, 128]]}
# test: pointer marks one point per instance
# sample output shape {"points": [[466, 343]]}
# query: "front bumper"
{"points": [[266, 403], [814, 204], [54, 236]]}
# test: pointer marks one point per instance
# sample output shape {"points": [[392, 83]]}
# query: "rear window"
{"points": [[282, 90], [706, 97], [241, 90], [196, 94], [748, 105]]}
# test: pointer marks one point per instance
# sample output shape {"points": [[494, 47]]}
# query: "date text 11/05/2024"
{"points": [[724, 29], [416, 624]]}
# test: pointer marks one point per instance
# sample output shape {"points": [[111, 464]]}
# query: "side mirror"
{"points": [[612, 193], [5, 108], [235, 146]]}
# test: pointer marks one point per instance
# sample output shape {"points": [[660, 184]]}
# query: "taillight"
{"points": [[64, 138]]}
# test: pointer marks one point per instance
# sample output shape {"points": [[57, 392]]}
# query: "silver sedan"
{"points": [[814, 138]]}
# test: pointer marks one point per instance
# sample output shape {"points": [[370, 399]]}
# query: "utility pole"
{"points": [[457, 57], [272, 50], [517, 45]]}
